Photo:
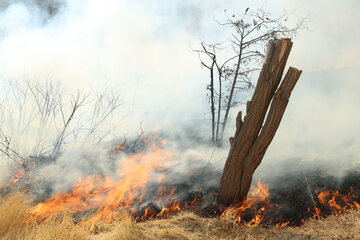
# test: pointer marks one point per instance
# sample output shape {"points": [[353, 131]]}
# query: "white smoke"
{"points": [[115, 44], [142, 53]]}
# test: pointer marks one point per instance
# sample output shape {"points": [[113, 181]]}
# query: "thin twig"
{"points": [[309, 189]]}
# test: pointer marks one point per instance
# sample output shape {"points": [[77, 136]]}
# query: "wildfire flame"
{"points": [[335, 202], [18, 176], [107, 198], [109, 194], [259, 194], [19, 171]]}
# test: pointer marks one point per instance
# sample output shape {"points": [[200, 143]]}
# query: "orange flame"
{"points": [[108, 194], [338, 203], [106, 197], [20, 171], [259, 194]]}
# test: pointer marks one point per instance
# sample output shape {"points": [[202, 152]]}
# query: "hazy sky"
{"points": [[141, 49]]}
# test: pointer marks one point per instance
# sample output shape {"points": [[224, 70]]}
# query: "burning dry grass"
{"points": [[190, 226], [14, 210]]}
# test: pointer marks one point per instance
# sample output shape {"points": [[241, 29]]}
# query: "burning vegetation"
{"points": [[138, 184], [70, 177], [140, 190]]}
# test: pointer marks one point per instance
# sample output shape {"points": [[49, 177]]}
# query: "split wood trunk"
{"points": [[254, 134]]}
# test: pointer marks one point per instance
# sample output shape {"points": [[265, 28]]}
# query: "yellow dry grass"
{"points": [[190, 226], [14, 211]]}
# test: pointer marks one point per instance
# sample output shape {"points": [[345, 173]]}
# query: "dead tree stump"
{"points": [[254, 135]]}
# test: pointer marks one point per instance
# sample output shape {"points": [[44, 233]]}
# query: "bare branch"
{"points": [[248, 38]]}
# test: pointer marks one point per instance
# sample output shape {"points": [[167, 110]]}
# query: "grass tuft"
{"points": [[14, 210]]}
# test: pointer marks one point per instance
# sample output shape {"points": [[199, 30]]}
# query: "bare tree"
{"points": [[37, 123], [234, 70]]}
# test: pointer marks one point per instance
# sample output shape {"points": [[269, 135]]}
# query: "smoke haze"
{"points": [[141, 51]]}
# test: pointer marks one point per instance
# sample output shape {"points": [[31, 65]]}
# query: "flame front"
{"points": [[258, 201], [108, 195], [335, 202], [105, 199]]}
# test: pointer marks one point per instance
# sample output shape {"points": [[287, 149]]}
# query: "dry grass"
{"points": [[190, 226], [14, 211]]}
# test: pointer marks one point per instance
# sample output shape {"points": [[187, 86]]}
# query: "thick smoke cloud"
{"points": [[141, 51], [95, 45], [117, 44], [320, 128]]}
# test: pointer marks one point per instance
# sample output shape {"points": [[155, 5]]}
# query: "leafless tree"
{"points": [[37, 122], [231, 63]]}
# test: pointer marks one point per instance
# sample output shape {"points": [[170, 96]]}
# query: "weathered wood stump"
{"points": [[253, 135]]}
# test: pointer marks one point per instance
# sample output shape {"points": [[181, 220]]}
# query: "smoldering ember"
{"points": [[111, 132]]}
